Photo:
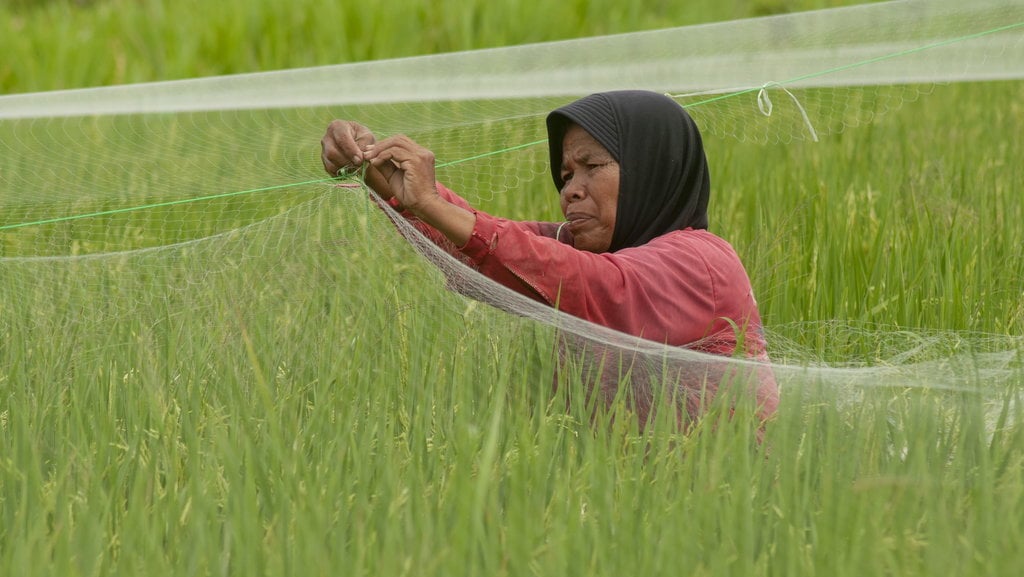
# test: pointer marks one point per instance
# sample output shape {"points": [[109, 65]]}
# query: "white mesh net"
{"points": [[189, 211]]}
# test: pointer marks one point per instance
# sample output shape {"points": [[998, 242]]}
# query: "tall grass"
{"points": [[907, 222], [299, 397]]}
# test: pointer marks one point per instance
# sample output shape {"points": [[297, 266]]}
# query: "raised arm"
{"points": [[397, 168], [414, 186]]}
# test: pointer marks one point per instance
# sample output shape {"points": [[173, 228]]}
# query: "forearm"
{"points": [[431, 233], [454, 222]]}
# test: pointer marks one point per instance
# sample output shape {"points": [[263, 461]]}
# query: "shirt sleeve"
{"points": [[661, 291], [678, 289], [548, 229]]}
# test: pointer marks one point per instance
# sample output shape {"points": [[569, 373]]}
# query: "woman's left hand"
{"points": [[413, 179]]}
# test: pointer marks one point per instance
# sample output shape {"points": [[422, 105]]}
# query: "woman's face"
{"points": [[590, 196]]}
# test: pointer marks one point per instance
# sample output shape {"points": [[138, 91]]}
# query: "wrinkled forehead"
{"points": [[601, 125], [595, 116], [580, 146]]}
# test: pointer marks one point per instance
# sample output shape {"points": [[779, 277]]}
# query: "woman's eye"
{"points": [[567, 177]]}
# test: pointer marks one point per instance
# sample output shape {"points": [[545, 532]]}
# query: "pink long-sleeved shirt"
{"points": [[685, 288]]}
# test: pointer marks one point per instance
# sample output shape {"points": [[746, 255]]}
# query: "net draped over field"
{"points": [[215, 359], [186, 212]]}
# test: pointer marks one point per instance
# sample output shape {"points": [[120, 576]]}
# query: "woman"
{"points": [[633, 254]]}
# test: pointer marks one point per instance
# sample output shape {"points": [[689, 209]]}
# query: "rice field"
{"points": [[274, 383]]}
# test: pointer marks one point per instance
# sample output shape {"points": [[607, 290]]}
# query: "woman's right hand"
{"points": [[343, 149]]}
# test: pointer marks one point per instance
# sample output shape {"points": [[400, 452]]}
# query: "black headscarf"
{"points": [[663, 180]]}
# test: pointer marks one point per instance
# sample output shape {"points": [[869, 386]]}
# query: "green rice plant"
{"points": [[276, 384]]}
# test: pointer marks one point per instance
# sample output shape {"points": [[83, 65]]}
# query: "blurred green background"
{"points": [[55, 44]]}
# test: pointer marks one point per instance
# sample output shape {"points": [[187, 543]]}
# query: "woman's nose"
{"points": [[572, 191]]}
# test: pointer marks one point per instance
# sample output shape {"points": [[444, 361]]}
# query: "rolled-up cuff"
{"points": [[483, 239]]}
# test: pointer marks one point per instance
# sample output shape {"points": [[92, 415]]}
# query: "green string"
{"points": [[492, 153], [520, 146], [162, 204]]}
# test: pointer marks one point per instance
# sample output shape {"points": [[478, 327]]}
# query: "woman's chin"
{"points": [[588, 244]]}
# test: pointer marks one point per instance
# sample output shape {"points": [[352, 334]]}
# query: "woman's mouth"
{"points": [[576, 219]]}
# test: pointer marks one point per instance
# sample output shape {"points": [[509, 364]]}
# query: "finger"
{"points": [[387, 169], [363, 138], [347, 145], [334, 161], [399, 149], [408, 166], [347, 139], [327, 156]]}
